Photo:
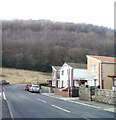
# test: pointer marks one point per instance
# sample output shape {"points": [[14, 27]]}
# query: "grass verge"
{"points": [[23, 76]]}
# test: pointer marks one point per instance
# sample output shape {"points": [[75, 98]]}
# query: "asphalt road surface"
{"points": [[18, 103], [0, 102]]}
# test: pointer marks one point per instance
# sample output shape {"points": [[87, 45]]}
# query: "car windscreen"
{"points": [[36, 86], [2, 80]]}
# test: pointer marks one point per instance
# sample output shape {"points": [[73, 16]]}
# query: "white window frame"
{"points": [[93, 68], [62, 72]]}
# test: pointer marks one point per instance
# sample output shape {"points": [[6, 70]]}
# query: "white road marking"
{"points": [[85, 104], [9, 109], [61, 108], [0, 94], [86, 118], [74, 102], [4, 97], [42, 100]]}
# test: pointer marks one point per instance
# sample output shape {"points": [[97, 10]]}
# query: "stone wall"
{"points": [[98, 95], [47, 89], [85, 93], [105, 96]]}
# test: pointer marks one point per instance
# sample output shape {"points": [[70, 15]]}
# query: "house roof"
{"points": [[77, 65], [104, 58], [56, 67]]}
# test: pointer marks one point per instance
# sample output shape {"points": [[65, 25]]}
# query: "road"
{"points": [[0, 102], [18, 103]]}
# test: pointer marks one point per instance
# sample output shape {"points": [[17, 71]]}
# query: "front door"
{"points": [[62, 83], [102, 84]]}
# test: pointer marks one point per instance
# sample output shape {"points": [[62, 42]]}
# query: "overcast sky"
{"points": [[97, 12]]}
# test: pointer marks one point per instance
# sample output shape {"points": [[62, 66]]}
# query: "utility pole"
{"points": [[68, 82]]}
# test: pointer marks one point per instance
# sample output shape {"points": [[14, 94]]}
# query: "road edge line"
{"points": [[9, 108], [85, 104], [4, 96]]}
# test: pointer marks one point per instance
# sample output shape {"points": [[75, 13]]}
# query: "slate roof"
{"points": [[77, 65], [57, 67]]}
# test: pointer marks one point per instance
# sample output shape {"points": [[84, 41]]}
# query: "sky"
{"points": [[96, 12]]}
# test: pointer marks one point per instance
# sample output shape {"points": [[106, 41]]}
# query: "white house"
{"points": [[73, 74], [56, 76]]}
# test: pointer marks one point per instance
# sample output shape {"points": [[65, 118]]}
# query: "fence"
{"points": [[75, 91]]}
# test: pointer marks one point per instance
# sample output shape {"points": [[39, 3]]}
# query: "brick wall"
{"points": [[61, 93]]}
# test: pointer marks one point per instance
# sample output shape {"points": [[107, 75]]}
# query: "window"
{"points": [[93, 68], [114, 83], [53, 73], [67, 72], [76, 83], [95, 82], [62, 83], [58, 75], [62, 72], [54, 82]]}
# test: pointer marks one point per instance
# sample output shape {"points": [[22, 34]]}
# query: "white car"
{"points": [[34, 88]]}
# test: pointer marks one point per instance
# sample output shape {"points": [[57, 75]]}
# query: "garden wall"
{"points": [[84, 93], [61, 93], [47, 89], [105, 96], [98, 95]]}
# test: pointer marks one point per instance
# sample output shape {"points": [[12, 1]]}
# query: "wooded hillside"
{"points": [[36, 45]]}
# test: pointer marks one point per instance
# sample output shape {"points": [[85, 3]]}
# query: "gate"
{"points": [[75, 91], [92, 91]]}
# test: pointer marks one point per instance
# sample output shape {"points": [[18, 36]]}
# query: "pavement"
{"points": [[98, 105]]}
